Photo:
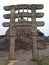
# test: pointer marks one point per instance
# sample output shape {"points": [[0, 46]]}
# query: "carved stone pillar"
{"points": [[34, 36], [12, 33]]}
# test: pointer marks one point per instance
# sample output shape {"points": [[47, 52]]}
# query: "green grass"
{"points": [[3, 62], [44, 61]]}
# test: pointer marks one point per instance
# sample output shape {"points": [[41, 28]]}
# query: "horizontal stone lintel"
{"points": [[37, 15], [24, 6], [7, 24]]}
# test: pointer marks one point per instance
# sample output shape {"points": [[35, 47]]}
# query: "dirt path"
{"points": [[23, 56], [12, 62]]}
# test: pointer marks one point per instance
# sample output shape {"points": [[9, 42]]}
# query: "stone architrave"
{"points": [[38, 23]]}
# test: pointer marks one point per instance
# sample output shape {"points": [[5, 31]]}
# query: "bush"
{"points": [[44, 61]]}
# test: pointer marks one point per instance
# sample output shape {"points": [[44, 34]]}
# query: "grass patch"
{"points": [[44, 61], [2, 62]]}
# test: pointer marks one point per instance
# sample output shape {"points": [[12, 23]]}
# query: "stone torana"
{"points": [[22, 30]]}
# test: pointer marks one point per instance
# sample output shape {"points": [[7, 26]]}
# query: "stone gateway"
{"points": [[23, 15]]}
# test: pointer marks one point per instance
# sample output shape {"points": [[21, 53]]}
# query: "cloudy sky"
{"points": [[44, 29]]}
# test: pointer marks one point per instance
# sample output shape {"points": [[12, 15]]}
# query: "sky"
{"points": [[45, 10]]}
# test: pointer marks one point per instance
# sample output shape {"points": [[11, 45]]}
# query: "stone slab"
{"points": [[38, 23], [25, 6]]}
